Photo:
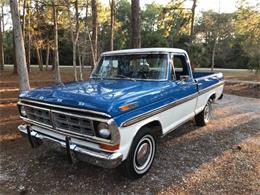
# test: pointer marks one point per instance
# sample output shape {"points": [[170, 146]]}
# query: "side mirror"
{"points": [[184, 77]]}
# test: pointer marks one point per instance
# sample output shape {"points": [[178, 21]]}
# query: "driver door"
{"points": [[184, 89]]}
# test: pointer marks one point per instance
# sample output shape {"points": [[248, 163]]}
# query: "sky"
{"points": [[226, 6]]}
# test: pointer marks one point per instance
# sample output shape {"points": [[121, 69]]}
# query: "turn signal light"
{"points": [[109, 147], [127, 107]]}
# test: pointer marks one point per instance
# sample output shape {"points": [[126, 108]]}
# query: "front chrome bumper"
{"points": [[93, 156]]}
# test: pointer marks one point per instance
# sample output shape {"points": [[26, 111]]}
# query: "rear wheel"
{"points": [[141, 155], [204, 116]]}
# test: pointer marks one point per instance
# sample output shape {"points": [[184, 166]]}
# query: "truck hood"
{"points": [[100, 95]]}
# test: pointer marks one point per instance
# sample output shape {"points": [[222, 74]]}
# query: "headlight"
{"points": [[23, 111], [103, 130]]}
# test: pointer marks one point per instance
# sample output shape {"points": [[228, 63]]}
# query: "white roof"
{"points": [[145, 50]]}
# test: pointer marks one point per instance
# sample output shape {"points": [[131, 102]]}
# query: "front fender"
{"points": [[128, 133]]}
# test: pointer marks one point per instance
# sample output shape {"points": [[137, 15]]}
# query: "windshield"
{"points": [[136, 66]]}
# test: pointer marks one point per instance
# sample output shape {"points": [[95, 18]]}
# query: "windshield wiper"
{"points": [[125, 77]]}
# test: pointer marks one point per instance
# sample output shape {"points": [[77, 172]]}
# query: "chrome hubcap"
{"points": [[207, 112], [144, 154]]}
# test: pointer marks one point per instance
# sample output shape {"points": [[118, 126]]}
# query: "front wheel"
{"points": [[204, 116], [141, 155]]}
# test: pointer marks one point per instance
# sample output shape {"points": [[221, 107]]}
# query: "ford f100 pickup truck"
{"points": [[133, 97]]}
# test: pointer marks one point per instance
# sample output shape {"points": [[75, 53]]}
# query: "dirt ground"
{"points": [[221, 158], [248, 90]]}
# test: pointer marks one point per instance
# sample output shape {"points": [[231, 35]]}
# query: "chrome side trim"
{"points": [[163, 108], [64, 107]]}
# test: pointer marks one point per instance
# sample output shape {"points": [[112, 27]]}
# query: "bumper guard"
{"points": [[74, 151]]}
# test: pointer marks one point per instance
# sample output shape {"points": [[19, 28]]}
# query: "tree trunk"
{"points": [[192, 20], [39, 60], [2, 11], [112, 24], [53, 60], [74, 51], [94, 29], [56, 46], [14, 56], [19, 47], [28, 36], [47, 56], [1, 47], [23, 20], [84, 52], [92, 49], [74, 38], [213, 55], [135, 24], [75, 42], [80, 65]]}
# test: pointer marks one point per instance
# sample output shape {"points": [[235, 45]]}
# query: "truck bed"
{"points": [[198, 75], [207, 79]]}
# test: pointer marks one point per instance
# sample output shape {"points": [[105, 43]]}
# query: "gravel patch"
{"points": [[221, 158]]}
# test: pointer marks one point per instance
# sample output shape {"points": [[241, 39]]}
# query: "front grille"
{"points": [[38, 115], [73, 123], [61, 121]]}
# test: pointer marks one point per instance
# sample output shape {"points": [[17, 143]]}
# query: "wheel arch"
{"points": [[130, 164], [212, 96], [155, 126]]}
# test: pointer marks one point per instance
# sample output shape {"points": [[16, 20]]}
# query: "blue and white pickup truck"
{"points": [[132, 98]]}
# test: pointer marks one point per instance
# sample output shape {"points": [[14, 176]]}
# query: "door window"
{"points": [[180, 67]]}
